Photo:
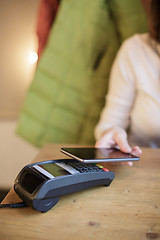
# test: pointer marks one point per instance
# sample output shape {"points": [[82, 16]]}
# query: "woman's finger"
{"points": [[120, 137]]}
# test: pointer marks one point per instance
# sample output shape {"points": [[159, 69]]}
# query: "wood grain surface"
{"points": [[129, 209]]}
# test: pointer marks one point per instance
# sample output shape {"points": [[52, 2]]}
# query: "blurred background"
{"points": [[18, 41]]}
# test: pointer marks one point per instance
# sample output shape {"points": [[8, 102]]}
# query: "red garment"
{"points": [[46, 14]]}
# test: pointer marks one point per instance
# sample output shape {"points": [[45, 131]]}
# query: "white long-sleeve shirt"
{"points": [[134, 93]]}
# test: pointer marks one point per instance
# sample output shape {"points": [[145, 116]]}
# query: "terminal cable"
{"points": [[14, 205]]}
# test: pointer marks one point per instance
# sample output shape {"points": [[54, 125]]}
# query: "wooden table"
{"points": [[127, 210]]}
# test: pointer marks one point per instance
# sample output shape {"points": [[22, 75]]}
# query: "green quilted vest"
{"points": [[67, 93]]}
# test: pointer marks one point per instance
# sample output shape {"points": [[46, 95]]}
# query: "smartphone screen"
{"points": [[99, 154]]}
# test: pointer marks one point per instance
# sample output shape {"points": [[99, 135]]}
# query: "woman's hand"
{"points": [[117, 137]]}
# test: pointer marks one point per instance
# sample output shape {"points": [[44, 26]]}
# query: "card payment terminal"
{"points": [[40, 185]]}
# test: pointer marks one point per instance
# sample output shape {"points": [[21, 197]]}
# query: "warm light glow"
{"points": [[33, 57]]}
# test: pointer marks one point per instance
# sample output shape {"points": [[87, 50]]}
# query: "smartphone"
{"points": [[94, 155]]}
